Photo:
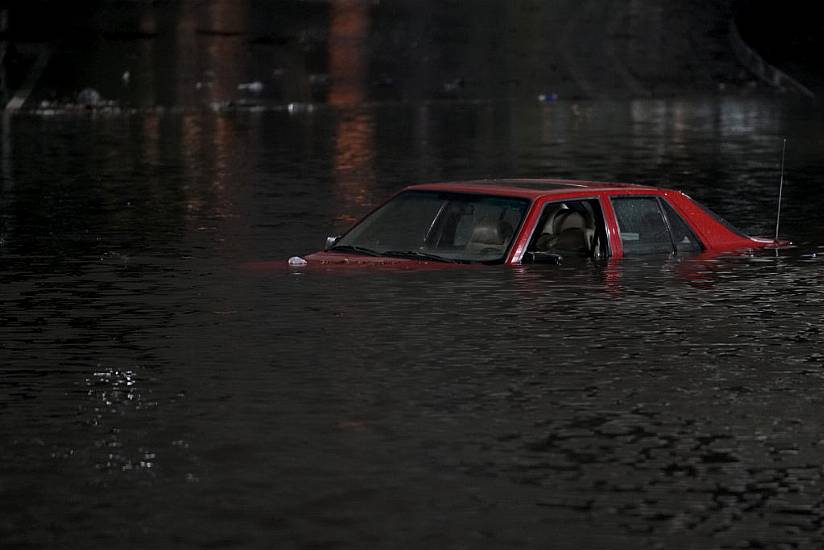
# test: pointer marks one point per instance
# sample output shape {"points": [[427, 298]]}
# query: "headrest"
{"points": [[569, 219], [492, 232], [549, 224]]}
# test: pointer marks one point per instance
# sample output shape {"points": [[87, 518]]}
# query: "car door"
{"points": [[568, 229], [648, 224]]}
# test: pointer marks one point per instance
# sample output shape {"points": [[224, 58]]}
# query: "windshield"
{"points": [[439, 225]]}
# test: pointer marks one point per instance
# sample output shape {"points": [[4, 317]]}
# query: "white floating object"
{"points": [[255, 87], [297, 261]]}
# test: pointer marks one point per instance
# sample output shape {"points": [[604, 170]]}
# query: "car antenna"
{"points": [[780, 190]]}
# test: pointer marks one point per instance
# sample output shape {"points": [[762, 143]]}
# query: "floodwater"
{"points": [[157, 391]]}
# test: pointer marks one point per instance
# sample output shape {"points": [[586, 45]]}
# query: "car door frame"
{"points": [[659, 196], [530, 225]]}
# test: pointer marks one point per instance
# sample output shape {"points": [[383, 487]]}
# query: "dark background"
{"points": [[167, 382], [404, 50]]}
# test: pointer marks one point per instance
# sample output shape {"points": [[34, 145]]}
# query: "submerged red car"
{"points": [[516, 221]]}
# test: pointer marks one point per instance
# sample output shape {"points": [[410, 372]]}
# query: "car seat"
{"points": [[567, 231], [489, 236]]}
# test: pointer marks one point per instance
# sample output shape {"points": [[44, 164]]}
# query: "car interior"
{"points": [[490, 235], [570, 229]]}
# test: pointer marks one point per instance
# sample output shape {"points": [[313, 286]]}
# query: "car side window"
{"points": [[568, 229], [642, 226], [682, 236]]}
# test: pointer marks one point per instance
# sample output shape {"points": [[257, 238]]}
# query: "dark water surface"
{"points": [[155, 391]]}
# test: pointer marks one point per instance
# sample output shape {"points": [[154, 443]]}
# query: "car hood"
{"points": [[339, 260], [345, 259], [327, 257]]}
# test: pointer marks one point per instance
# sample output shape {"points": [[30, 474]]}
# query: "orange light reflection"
{"points": [[354, 133]]}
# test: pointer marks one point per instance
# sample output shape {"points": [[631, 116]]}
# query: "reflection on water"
{"points": [[354, 135], [348, 32], [354, 156], [153, 391]]}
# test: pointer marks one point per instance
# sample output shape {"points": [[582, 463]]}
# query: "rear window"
{"points": [[721, 220]]}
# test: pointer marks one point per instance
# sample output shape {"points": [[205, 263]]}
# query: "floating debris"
{"points": [[295, 108], [454, 86], [254, 87], [88, 97]]}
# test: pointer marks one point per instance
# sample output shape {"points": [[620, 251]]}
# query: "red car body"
{"points": [[713, 235]]}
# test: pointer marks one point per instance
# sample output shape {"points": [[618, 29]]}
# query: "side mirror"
{"points": [[542, 258], [331, 241]]}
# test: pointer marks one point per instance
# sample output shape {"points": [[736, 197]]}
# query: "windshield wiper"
{"points": [[418, 255], [353, 248]]}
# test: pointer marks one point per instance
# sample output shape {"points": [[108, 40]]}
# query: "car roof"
{"points": [[526, 187]]}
